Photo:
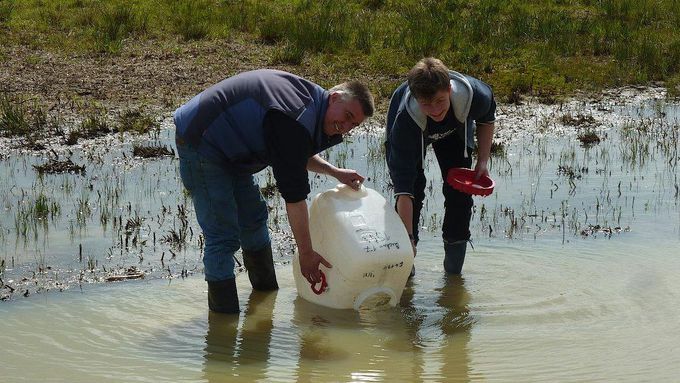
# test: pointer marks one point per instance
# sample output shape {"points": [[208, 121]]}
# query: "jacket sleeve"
{"points": [[404, 153], [483, 107], [289, 147]]}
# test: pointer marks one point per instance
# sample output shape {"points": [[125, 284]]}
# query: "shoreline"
{"points": [[528, 117]]}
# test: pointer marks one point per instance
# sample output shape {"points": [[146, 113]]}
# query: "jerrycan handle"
{"points": [[323, 287]]}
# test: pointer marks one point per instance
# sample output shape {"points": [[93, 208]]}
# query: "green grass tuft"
{"points": [[136, 121], [288, 53], [20, 117], [191, 19], [94, 125], [13, 117], [6, 8], [115, 25]]}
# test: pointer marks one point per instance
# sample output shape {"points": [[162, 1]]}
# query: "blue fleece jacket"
{"points": [[225, 122]]}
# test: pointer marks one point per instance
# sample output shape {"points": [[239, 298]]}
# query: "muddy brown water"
{"points": [[573, 276]]}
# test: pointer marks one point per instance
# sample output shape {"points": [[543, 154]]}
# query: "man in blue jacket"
{"points": [[238, 127], [443, 108]]}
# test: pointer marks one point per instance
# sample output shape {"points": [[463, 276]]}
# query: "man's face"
{"points": [[437, 106], [342, 116]]}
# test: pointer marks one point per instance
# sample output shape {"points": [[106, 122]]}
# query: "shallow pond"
{"points": [[573, 276]]}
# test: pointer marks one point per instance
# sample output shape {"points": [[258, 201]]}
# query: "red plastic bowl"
{"points": [[463, 179]]}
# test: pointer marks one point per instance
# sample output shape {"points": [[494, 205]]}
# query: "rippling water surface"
{"points": [[573, 278], [519, 316]]}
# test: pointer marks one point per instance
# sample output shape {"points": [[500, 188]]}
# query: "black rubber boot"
{"points": [[260, 266], [454, 256], [222, 297]]}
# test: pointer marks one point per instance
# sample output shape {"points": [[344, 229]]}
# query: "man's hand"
{"points": [[309, 266], [349, 177], [481, 169]]}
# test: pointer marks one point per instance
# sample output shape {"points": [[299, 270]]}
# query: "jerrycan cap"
{"points": [[350, 193]]}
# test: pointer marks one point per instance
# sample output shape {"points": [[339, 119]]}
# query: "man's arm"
{"points": [[346, 176], [298, 217], [483, 111], [484, 139], [404, 153], [405, 211], [289, 147]]}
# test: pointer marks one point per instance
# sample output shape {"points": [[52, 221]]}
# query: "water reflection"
{"points": [[348, 345], [444, 326], [230, 347], [281, 337], [455, 324]]}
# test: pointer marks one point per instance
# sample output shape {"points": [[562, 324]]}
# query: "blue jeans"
{"points": [[229, 208]]}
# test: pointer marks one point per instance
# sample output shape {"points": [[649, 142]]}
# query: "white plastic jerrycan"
{"points": [[365, 241]]}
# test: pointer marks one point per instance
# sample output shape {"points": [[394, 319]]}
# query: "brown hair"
{"points": [[356, 90], [428, 77]]}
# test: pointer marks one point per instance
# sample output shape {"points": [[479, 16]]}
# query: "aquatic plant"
{"points": [[104, 216], [40, 262], [375, 149], [83, 210], [54, 166], [588, 138], [151, 151], [577, 120], [133, 225], [45, 207], [178, 237], [341, 154], [607, 231], [498, 149], [94, 125], [91, 263], [32, 214], [136, 121]]}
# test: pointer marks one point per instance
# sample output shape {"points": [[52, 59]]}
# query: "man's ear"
{"points": [[334, 97]]}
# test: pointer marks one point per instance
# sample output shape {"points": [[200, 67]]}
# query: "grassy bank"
{"points": [[519, 47]]}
